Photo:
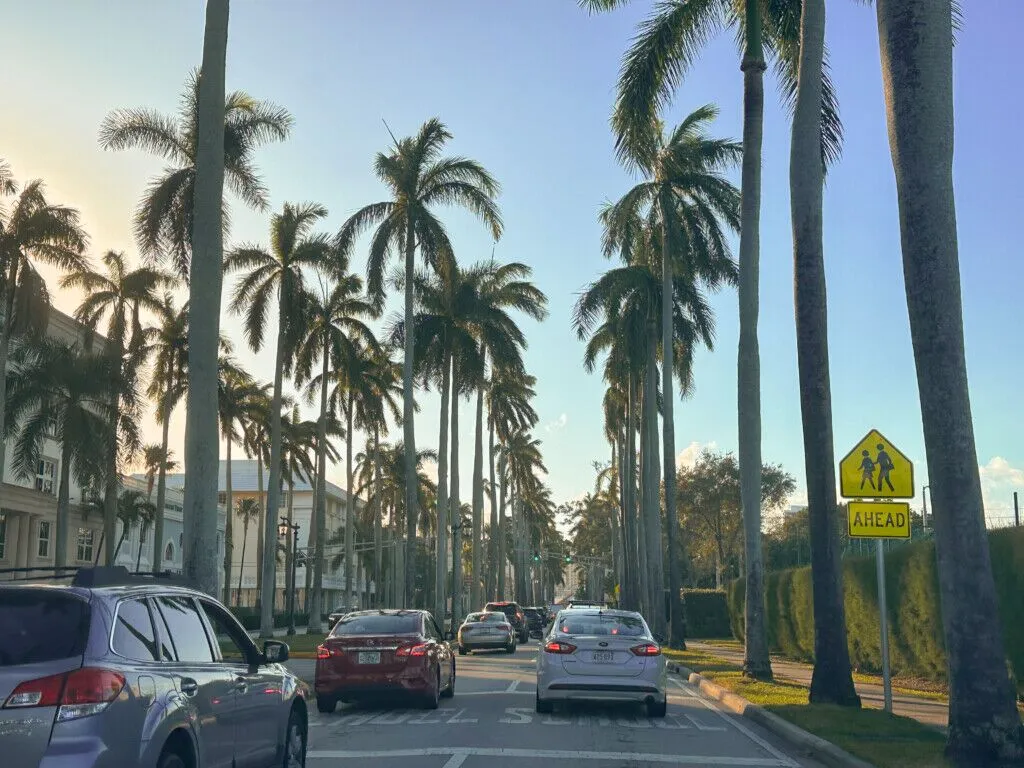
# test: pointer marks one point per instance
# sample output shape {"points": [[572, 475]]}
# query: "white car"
{"points": [[601, 655]]}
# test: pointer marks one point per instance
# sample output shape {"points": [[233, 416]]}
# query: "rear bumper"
{"points": [[472, 643], [587, 688], [357, 685]]}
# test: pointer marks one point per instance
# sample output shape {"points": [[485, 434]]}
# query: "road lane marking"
{"points": [[456, 760], [456, 718], [549, 754], [783, 758], [495, 693], [512, 686]]}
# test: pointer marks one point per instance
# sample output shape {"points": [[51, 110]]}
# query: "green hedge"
{"points": [[250, 618], [707, 613], [915, 620]]}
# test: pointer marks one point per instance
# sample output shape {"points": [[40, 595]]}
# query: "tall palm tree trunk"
{"points": [[755, 659], [832, 679], [60, 557], [350, 500], [229, 528], [241, 562], [378, 541], [112, 481], [161, 489], [677, 630], [320, 513], [632, 569], [493, 562], [644, 457], [652, 507], [441, 562], [478, 500], [502, 563], [455, 504], [289, 548], [274, 491], [206, 279], [917, 67], [408, 416], [261, 524]]}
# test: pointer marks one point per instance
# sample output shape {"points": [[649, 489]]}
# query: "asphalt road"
{"points": [[491, 723]]}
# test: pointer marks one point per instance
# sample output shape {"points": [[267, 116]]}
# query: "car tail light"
{"points": [[79, 693], [556, 646], [419, 649], [647, 649], [504, 627], [323, 652]]}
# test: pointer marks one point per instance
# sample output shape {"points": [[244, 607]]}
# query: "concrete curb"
{"points": [[814, 746]]}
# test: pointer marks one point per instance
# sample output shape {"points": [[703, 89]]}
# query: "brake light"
{"points": [[556, 646], [323, 652], [79, 693], [419, 649], [504, 627], [647, 649]]}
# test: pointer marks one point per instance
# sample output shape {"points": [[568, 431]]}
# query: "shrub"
{"points": [[707, 615], [912, 595]]}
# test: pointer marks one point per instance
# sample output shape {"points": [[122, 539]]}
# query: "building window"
{"points": [[43, 547], [169, 551], [3, 536], [46, 476], [84, 548], [51, 425]]}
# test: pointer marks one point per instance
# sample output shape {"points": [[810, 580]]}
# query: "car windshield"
{"points": [[377, 624], [38, 625], [579, 623], [485, 616]]}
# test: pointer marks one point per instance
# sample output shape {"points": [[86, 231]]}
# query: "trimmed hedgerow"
{"points": [[912, 592], [707, 614]]}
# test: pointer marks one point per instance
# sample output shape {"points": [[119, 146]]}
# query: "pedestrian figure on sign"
{"points": [[885, 466], [867, 467]]}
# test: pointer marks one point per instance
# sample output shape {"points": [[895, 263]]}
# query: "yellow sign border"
{"points": [[891, 444], [902, 505]]}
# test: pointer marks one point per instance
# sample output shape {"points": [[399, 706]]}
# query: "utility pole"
{"points": [[1016, 511]]}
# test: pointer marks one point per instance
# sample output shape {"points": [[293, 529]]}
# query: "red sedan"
{"points": [[372, 654]]}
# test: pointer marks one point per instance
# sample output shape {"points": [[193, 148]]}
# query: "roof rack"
{"points": [[93, 576]]}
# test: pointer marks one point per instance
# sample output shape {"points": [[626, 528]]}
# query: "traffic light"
{"points": [[568, 558], [536, 557]]}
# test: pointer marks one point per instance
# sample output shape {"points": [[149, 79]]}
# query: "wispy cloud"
{"points": [[689, 455], [558, 424]]}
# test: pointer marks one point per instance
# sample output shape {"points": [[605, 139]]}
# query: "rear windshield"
{"points": [[489, 616], [377, 624], [579, 623], [39, 625], [502, 608]]}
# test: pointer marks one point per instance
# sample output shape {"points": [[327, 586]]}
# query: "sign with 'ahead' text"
{"points": [[879, 519]]}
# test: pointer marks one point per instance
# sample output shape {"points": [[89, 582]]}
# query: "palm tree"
{"points": [[256, 442], [523, 460], [54, 382], [685, 196], [133, 509], [248, 511], [158, 462], [31, 228], [917, 68], [298, 443], [333, 318], [419, 179], [277, 274], [120, 295]]}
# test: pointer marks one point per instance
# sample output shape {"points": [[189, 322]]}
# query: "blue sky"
{"points": [[526, 88]]}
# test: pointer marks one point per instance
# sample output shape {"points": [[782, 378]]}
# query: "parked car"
{"points": [[372, 654], [602, 655], [486, 630], [515, 616], [119, 669], [536, 620]]}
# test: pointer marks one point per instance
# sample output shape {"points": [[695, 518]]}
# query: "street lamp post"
{"points": [[282, 530]]}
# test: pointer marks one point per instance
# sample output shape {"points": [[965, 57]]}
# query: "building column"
{"points": [[25, 524]]}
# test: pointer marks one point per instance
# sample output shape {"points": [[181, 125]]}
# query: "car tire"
{"points": [[171, 760], [295, 741], [657, 708], [544, 707], [449, 692], [524, 638], [432, 700], [325, 704], [462, 651], [510, 648]]}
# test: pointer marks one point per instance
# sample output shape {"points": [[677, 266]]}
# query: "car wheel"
{"points": [[544, 707], [449, 692], [171, 760], [510, 648], [433, 698], [524, 638], [326, 704], [462, 651], [295, 741], [657, 708]]}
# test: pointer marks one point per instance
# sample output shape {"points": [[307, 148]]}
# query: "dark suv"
{"points": [[536, 620], [515, 615], [109, 668]]}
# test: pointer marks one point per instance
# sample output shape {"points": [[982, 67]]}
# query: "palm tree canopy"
{"points": [[163, 220], [419, 178]]}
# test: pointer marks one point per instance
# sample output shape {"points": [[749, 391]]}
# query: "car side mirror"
{"points": [[275, 652]]}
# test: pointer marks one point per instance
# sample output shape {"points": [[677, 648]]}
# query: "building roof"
{"points": [[244, 478]]}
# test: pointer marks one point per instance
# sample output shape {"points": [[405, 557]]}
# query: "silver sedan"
{"points": [[486, 630], [601, 655]]}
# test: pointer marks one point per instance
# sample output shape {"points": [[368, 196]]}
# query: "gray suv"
{"points": [[118, 669]]}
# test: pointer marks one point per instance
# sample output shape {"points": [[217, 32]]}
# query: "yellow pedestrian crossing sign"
{"points": [[876, 469]]}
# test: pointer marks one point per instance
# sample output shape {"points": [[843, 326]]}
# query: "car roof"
{"points": [[612, 612], [503, 602]]}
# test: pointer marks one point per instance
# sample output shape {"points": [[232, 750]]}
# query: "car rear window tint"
{"points": [[38, 626], [134, 637], [185, 629], [578, 623], [377, 624], [490, 616]]}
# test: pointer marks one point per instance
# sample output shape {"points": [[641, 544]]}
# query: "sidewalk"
{"points": [[927, 711], [279, 632]]}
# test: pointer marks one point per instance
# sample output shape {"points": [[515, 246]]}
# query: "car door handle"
{"points": [[188, 686]]}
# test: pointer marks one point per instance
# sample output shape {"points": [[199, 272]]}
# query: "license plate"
{"points": [[604, 656], [369, 657]]}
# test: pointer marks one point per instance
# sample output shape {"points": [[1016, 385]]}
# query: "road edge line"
{"points": [[817, 747]]}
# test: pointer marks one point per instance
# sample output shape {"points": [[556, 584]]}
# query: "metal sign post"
{"points": [[884, 622]]}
